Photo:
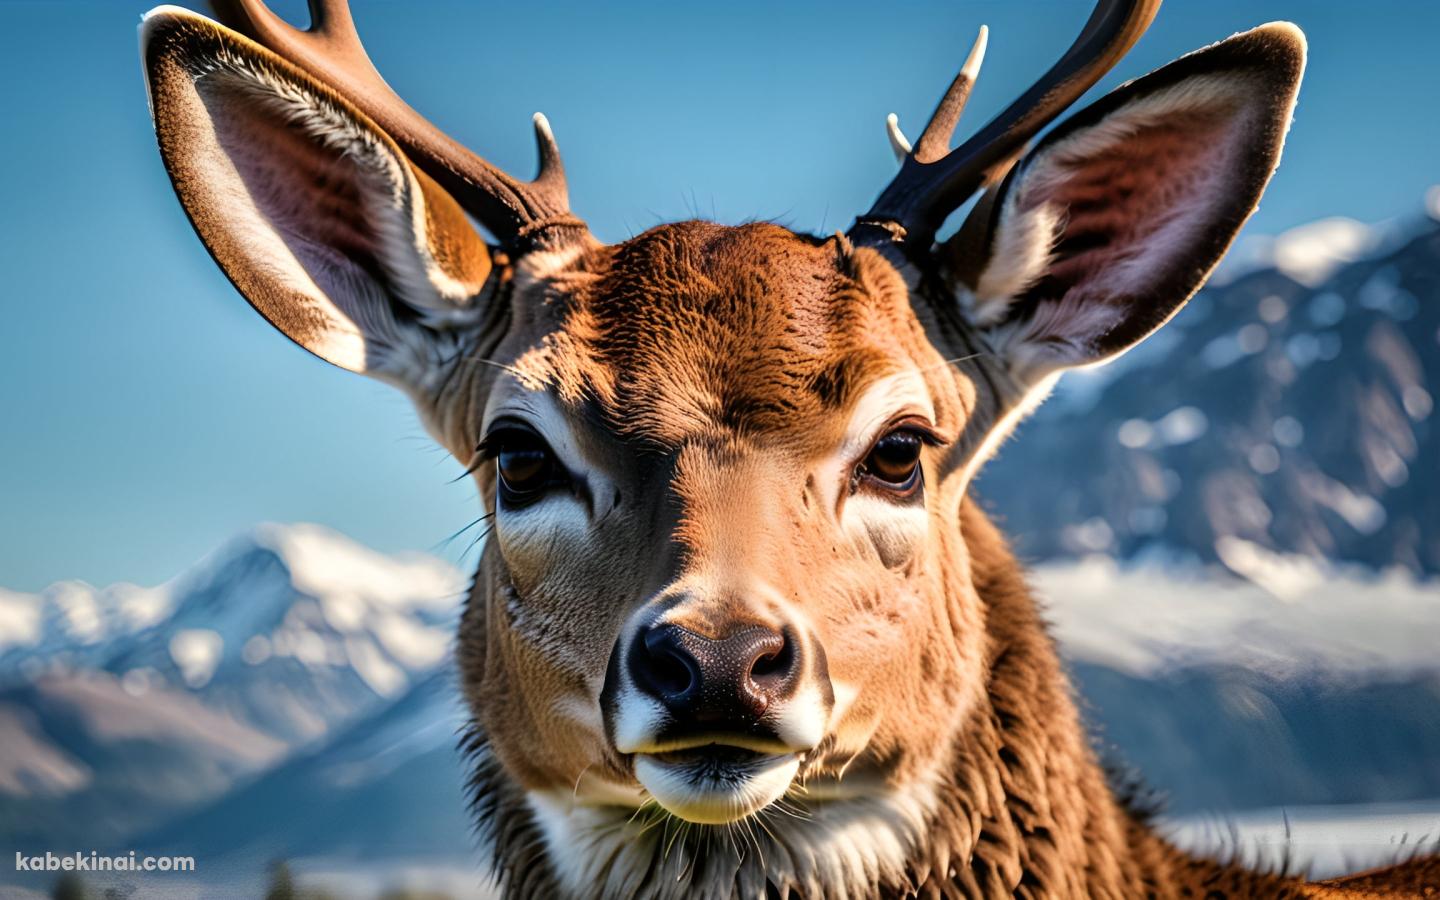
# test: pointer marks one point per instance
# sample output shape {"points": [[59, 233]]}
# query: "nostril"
{"points": [[773, 671], [670, 675], [776, 663], [663, 667]]}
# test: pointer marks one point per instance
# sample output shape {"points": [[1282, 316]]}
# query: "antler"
{"points": [[933, 183], [521, 215]]}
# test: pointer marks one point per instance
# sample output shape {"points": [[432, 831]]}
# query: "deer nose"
{"points": [[719, 685]]}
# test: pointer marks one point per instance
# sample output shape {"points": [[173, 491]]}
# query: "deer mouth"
{"points": [[715, 784]]}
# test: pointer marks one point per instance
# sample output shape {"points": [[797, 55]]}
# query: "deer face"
{"points": [[723, 486], [725, 465]]}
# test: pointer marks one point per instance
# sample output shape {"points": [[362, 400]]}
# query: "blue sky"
{"points": [[146, 413]]}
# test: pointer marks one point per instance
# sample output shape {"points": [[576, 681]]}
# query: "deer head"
{"points": [[726, 464]]}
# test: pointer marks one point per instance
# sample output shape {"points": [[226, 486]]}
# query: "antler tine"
{"points": [[933, 183], [899, 143], [934, 141], [519, 214]]}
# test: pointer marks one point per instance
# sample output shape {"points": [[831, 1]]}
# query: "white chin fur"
{"points": [[708, 799]]}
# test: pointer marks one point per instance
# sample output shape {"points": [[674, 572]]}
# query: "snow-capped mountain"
{"points": [[1290, 408], [390, 785], [129, 705], [290, 628]]}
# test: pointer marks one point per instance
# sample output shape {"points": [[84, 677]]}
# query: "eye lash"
{"points": [[488, 448], [494, 440], [913, 424], [920, 429]]}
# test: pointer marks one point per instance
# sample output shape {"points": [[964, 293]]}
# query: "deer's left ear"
{"points": [[1104, 230]]}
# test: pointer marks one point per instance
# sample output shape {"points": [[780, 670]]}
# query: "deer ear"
{"points": [[310, 209], [1104, 230]]}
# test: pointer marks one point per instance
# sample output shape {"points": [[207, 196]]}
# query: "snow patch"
{"points": [[384, 677], [139, 607], [33, 765], [1311, 253], [1286, 577], [78, 605], [197, 652], [412, 644], [343, 612], [19, 619], [1147, 620], [325, 563], [1321, 841], [1308, 253]]}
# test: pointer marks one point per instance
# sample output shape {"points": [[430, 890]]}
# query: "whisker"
{"points": [[476, 462], [446, 542], [958, 359], [670, 844], [575, 792], [504, 367], [759, 850], [792, 810], [480, 537]]}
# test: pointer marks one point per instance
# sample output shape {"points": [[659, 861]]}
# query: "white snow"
{"points": [[77, 602], [1361, 512], [1292, 619], [384, 677], [328, 590], [1179, 426], [307, 646], [411, 643], [20, 618], [139, 607], [1135, 433], [1311, 253], [32, 764], [1320, 841], [1284, 577], [344, 612], [197, 652], [325, 563]]}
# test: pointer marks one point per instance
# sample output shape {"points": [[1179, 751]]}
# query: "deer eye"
{"points": [[894, 461], [524, 463]]}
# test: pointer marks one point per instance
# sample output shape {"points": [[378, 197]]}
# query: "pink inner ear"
{"points": [[310, 195], [1130, 204]]}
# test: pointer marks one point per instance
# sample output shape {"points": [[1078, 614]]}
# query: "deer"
{"points": [[740, 627]]}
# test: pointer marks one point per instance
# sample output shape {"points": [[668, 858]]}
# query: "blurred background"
{"points": [[229, 573]]}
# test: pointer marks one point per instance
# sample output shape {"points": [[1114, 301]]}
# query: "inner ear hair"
{"points": [[1104, 230]]}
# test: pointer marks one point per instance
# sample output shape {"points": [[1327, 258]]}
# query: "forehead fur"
{"points": [[751, 329]]}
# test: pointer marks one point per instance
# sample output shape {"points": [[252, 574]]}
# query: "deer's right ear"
{"points": [[311, 210]]}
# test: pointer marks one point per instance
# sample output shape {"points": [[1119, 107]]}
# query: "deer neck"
{"points": [[1031, 804]]}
